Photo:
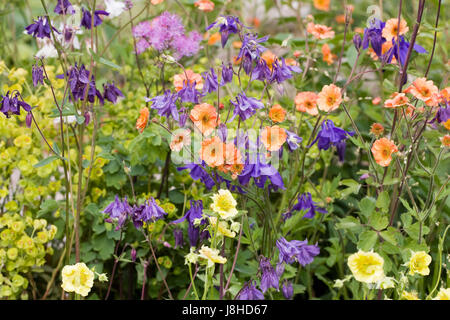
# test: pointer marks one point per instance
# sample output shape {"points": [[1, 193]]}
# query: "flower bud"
{"points": [[357, 41]]}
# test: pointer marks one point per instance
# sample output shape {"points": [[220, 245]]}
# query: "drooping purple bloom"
{"points": [[37, 75], [40, 28], [400, 49], [133, 254], [295, 250], [288, 290], [222, 132], [357, 41], [64, 7], [119, 210], [250, 292], [261, 71], [282, 72], [111, 92], [251, 47], [245, 106], [86, 20], [269, 277], [211, 83], [293, 140], [305, 202], [29, 119], [195, 212], [329, 135], [443, 114], [279, 270], [12, 104], [189, 93], [227, 25], [198, 172], [78, 79], [150, 211], [165, 104], [373, 36], [260, 172], [227, 74], [178, 235]]}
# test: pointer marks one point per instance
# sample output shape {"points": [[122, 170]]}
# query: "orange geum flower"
{"points": [[424, 90], [157, 1], [446, 141], [382, 150], [397, 100], [376, 101], [377, 129], [214, 38], [297, 53], [204, 5], [180, 79], [307, 102], [180, 139], [273, 138], [237, 44], [232, 160], [269, 58], [277, 113], [291, 62], [141, 122], [447, 124], [212, 152], [329, 98], [320, 31], [205, 118], [323, 5], [391, 29], [328, 57]]}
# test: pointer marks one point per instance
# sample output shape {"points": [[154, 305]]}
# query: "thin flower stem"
{"points": [[235, 258]]}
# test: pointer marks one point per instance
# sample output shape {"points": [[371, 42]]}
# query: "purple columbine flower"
{"points": [[251, 48], [305, 202], [283, 72], [227, 74], [226, 25], [86, 20], [178, 235], [295, 250], [37, 74], [211, 83], [250, 292], [330, 135], [40, 28], [111, 92], [29, 119], [443, 114], [269, 277], [119, 210], [260, 172], [198, 172], [400, 49], [12, 104], [189, 94], [245, 106], [287, 289], [78, 79], [373, 35], [261, 71], [222, 132], [165, 104], [195, 212], [64, 7], [133, 254], [293, 140], [357, 41], [279, 270]]}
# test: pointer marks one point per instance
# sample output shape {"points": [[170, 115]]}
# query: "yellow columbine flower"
{"points": [[366, 266], [222, 228], [224, 204], [409, 295], [77, 278], [212, 255], [418, 263], [443, 294]]}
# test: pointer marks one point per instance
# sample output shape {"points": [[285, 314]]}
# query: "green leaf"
{"points": [[46, 161], [414, 230], [353, 187], [389, 235], [367, 206], [383, 201], [367, 240], [104, 61], [379, 221], [348, 222]]}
